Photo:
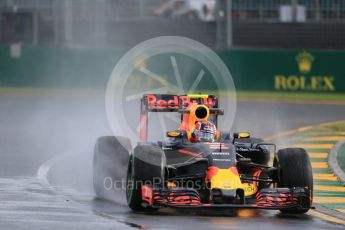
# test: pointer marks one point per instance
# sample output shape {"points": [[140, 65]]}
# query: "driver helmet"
{"points": [[204, 131]]}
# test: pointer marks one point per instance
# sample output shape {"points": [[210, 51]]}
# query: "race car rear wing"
{"points": [[173, 103]]}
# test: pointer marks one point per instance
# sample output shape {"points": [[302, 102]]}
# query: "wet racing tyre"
{"points": [[111, 154], [294, 170], [146, 167]]}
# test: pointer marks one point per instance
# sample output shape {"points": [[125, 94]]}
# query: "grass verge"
{"points": [[333, 127]]}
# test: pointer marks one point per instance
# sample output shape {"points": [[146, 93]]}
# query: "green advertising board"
{"points": [[266, 70], [316, 71]]}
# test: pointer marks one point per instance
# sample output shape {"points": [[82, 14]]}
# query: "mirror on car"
{"points": [[241, 135], [176, 133]]}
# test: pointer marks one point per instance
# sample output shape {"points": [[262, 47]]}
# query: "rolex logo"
{"points": [[305, 80], [304, 61]]}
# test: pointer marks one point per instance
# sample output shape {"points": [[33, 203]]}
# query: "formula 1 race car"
{"points": [[229, 172]]}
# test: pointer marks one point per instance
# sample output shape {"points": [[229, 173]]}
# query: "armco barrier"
{"points": [[320, 71]]}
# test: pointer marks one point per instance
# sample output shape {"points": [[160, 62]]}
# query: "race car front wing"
{"points": [[269, 198]]}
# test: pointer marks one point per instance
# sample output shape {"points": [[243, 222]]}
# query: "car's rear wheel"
{"points": [[111, 156], [146, 167], [294, 170]]}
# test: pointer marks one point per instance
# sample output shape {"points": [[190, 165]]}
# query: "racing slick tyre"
{"points": [[146, 167], [294, 170], [111, 154]]}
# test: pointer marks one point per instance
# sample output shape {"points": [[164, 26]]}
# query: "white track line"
{"points": [[43, 170]]}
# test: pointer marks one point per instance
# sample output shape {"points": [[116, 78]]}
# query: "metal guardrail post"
{"points": [[68, 22], [229, 23], [56, 22], [294, 4], [35, 28], [317, 10], [220, 25]]}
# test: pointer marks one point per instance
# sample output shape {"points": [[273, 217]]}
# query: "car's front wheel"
{"points": [[146, 167], [110, 159], [294, 170]]}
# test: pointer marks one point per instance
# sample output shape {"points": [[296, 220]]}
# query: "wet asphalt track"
{"points": [[37, 128]]}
